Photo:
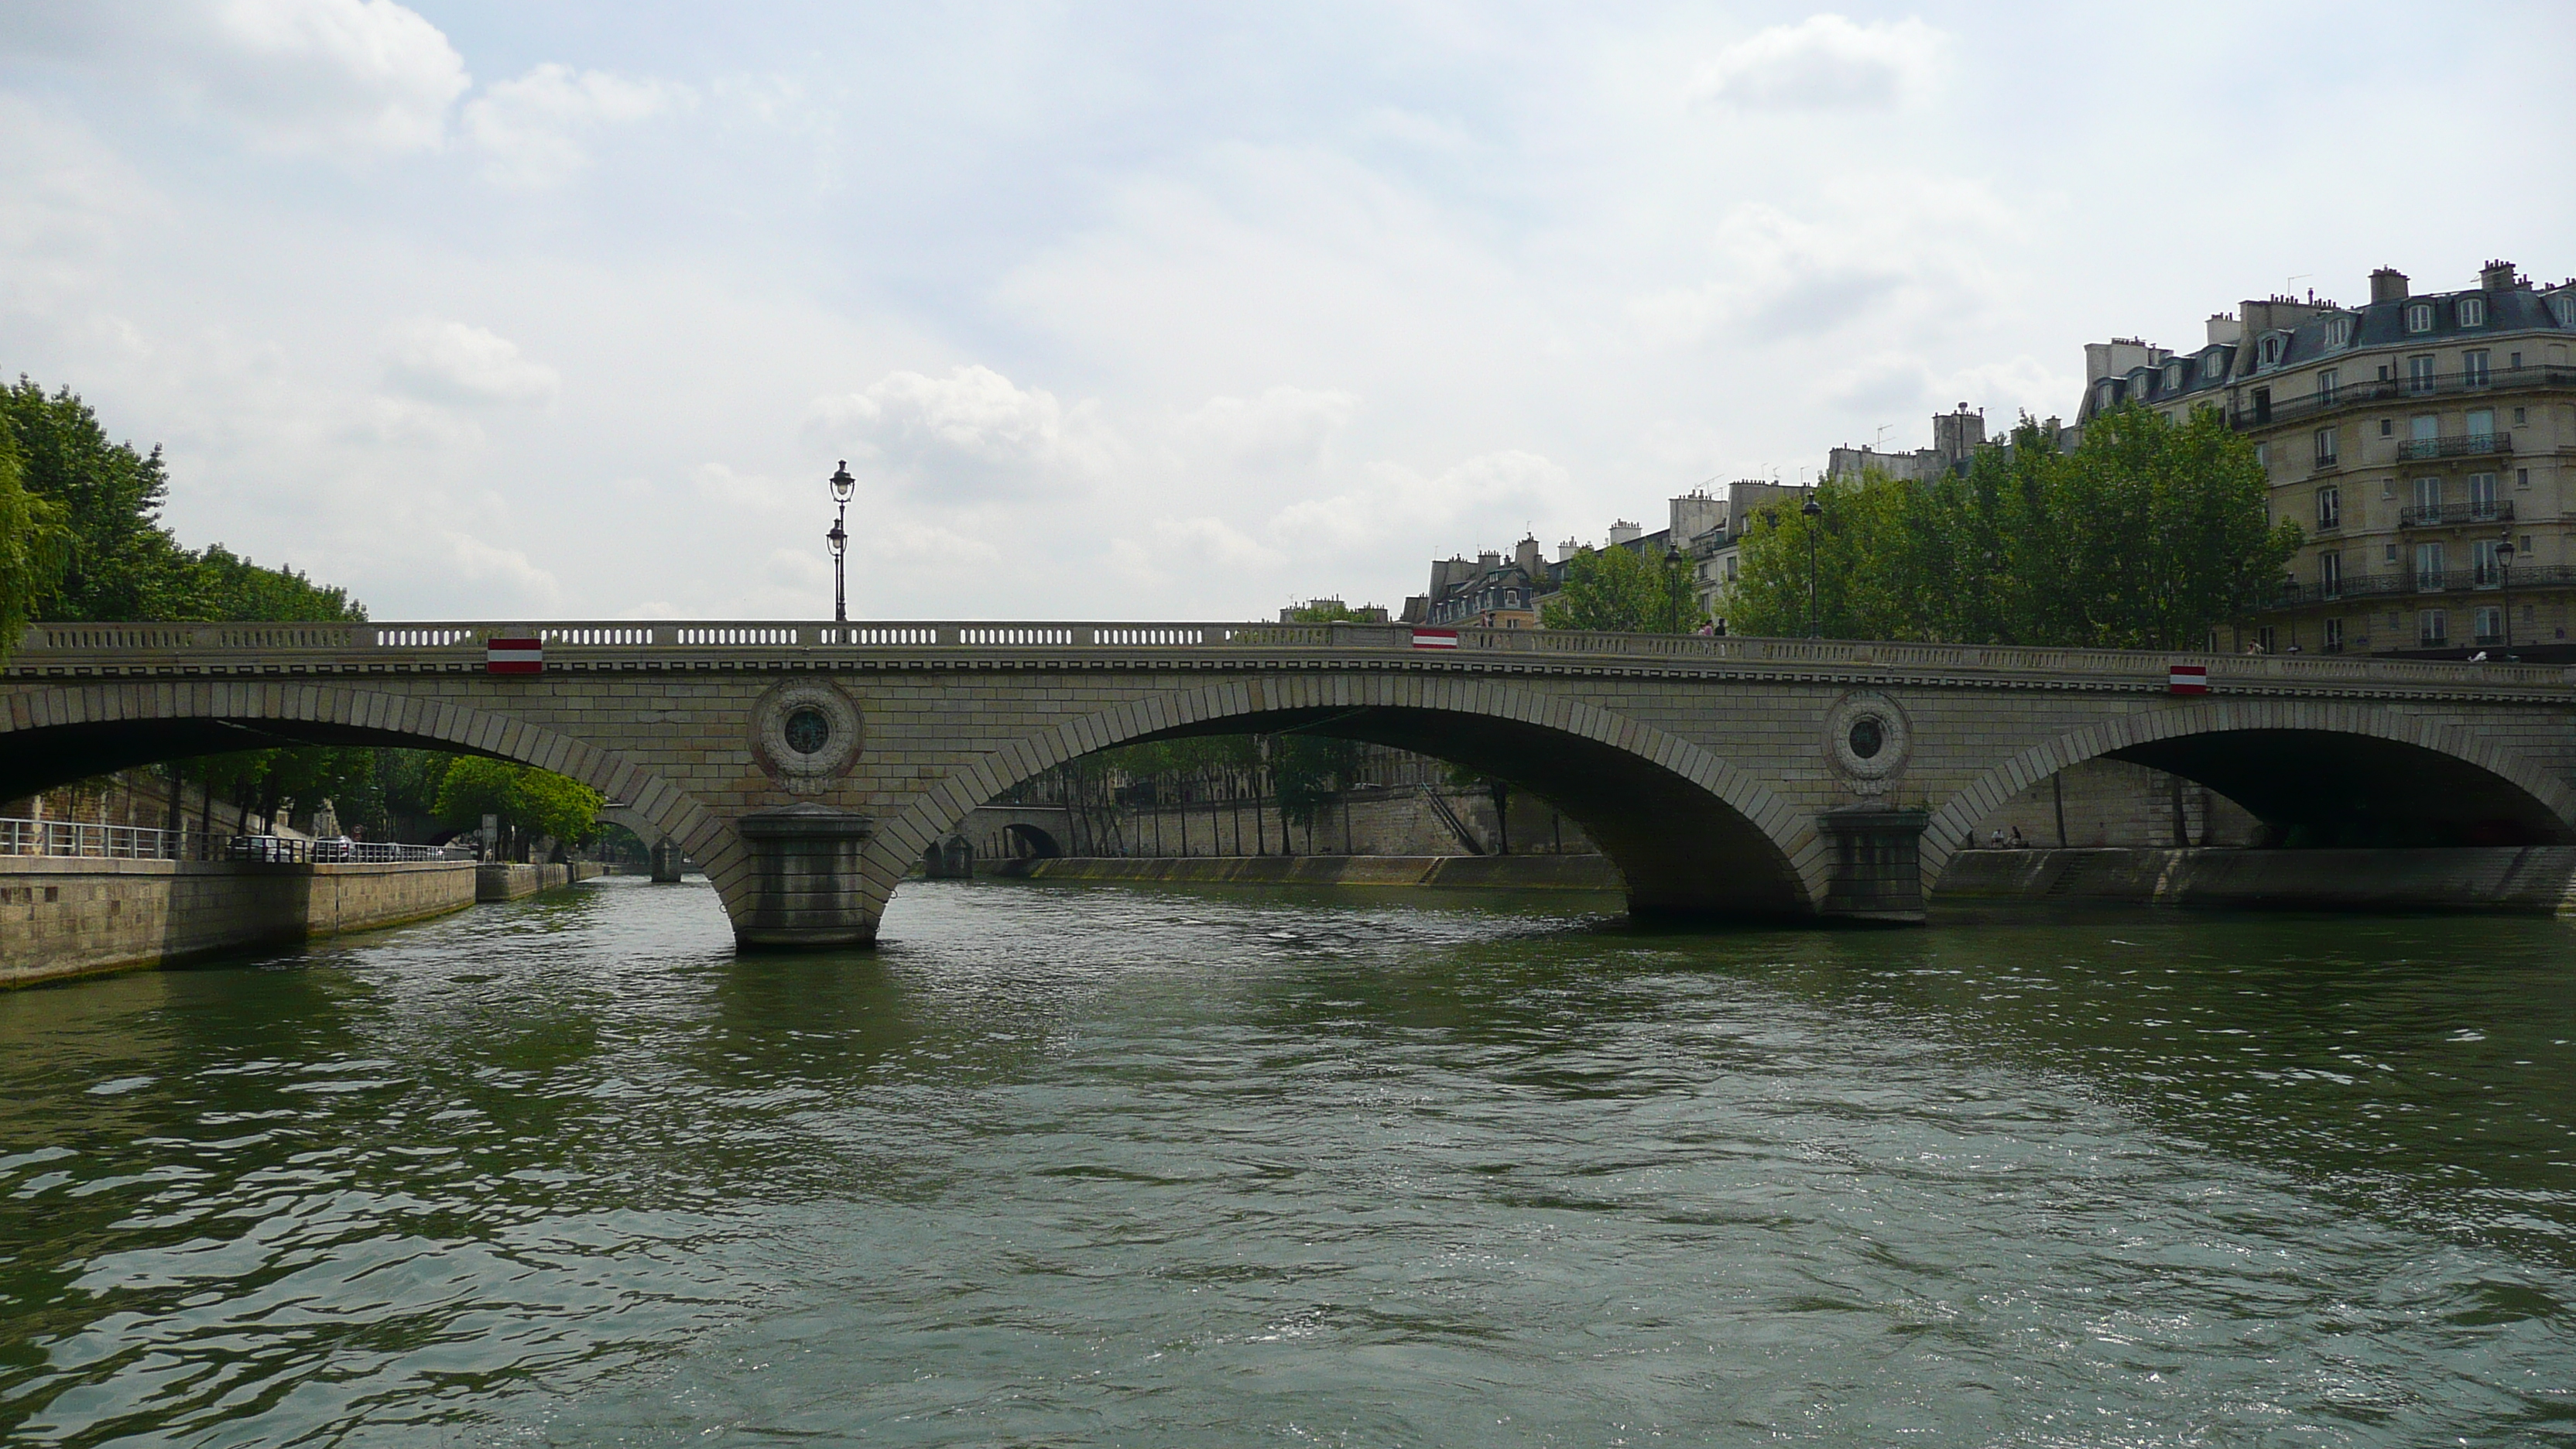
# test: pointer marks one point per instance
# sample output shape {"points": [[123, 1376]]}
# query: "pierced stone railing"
{"points": [[58, 649]]}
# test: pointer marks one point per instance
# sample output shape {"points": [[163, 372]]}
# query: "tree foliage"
{"points": [[2145, 536], [1624, 590], [528, 800], [1326, 611], [118, 561], [35, 546]]}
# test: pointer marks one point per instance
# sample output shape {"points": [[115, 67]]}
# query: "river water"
{"points": [[1077, 1166]]}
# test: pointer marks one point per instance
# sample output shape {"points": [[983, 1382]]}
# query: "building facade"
{"points": [[2425, 444]]}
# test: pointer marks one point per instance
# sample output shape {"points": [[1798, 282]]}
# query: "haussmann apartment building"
{"points": [[2426, 444]]}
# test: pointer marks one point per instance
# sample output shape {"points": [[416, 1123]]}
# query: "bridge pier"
{"points": [[667, 859], [1875, 873], [807, 892]]}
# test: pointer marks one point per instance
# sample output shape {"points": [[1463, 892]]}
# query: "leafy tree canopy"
{"points": [[1624, 590], [1326, 611], [35, 546], [118, 562], [2146, 536], [527, 799]]}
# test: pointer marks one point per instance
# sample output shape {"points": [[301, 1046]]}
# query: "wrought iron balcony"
{"points": [[2401, 389], [2453, 515], [2466, 446], [2406, 584]]}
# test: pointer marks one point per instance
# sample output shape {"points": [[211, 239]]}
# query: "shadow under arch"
{"points": [[2337, 773], [1030, 842], [92, 729], [1690, 834]]}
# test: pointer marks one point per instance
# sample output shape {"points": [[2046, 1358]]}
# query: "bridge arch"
{"points": [[1030, 842], [1691, 833], [54, 736], [2297, 763]]}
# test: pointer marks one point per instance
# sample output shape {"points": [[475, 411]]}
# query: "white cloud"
{"points": [[972, 434], [1875, 250], [1283, 426], [1826, 62], [533, 129], [1496, 490], [452, 362], [357, 78]]}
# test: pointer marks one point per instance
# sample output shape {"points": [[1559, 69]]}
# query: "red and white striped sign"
{"points": [[1435, 638], [2187, 679], [514, 656]]}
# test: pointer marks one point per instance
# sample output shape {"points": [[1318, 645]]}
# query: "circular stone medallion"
{"points": [[1868, 740], [805, 734]]}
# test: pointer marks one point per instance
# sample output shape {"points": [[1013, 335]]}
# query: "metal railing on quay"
{"points": [[99, 841]]}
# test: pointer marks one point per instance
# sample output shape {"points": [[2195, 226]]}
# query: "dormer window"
{"points": [[2563, 307], [2173, 377], [2419, 316], [2338, 332], [2473, 311], [2110, 392], [2271, 350], [2213, 368]]}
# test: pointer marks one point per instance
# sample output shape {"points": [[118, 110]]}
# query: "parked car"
{"points": [[261, 847], [336, 850]]}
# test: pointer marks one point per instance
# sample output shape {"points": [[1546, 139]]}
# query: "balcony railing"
{"points": [[2466, 446], [2429, 515], [2401, 389], [2448, 581]]}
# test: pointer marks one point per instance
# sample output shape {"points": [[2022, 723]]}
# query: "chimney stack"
{"points": [[2496, 277], [2388, 285]]}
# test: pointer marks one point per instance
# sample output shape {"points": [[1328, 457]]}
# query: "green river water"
{"points": [[1094, 1166]]}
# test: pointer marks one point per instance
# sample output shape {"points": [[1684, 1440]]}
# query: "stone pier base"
{"points": [[1877, 865], [667, 860], [807, 892]]}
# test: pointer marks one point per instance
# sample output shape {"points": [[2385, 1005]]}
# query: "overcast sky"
{"points": [[510, 311]]}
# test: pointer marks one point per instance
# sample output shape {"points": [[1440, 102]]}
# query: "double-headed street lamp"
{"points": [[1812, 511], [839, 539]]}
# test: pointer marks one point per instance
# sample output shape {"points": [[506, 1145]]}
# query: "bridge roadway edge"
{"points": [[1988, 721]]}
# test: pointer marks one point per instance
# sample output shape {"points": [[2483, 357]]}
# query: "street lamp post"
{"points": [[2504, 584], [839, 539], [1812, 511]]}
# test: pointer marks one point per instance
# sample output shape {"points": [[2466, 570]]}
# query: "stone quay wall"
{"points": [[507, 881], [1470, 872], [2536, 880], [73, 915]]}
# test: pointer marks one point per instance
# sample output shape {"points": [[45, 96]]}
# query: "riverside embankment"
{"points": [[1476, 872], [2536, 880], [75, 915]]}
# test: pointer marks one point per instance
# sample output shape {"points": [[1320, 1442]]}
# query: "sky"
{"points": [[511, 312]]}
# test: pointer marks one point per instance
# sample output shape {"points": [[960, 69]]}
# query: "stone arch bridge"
{"points": [[806, 766]]}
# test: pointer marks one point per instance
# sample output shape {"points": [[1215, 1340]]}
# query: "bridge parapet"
{"points": [[48, 649]]}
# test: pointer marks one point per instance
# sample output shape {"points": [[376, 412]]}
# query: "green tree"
{"points": [[123, 564], [225, 586], [35, 546], [1627, 591], [529, 801], [2144, 537], [1326, 611]]}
